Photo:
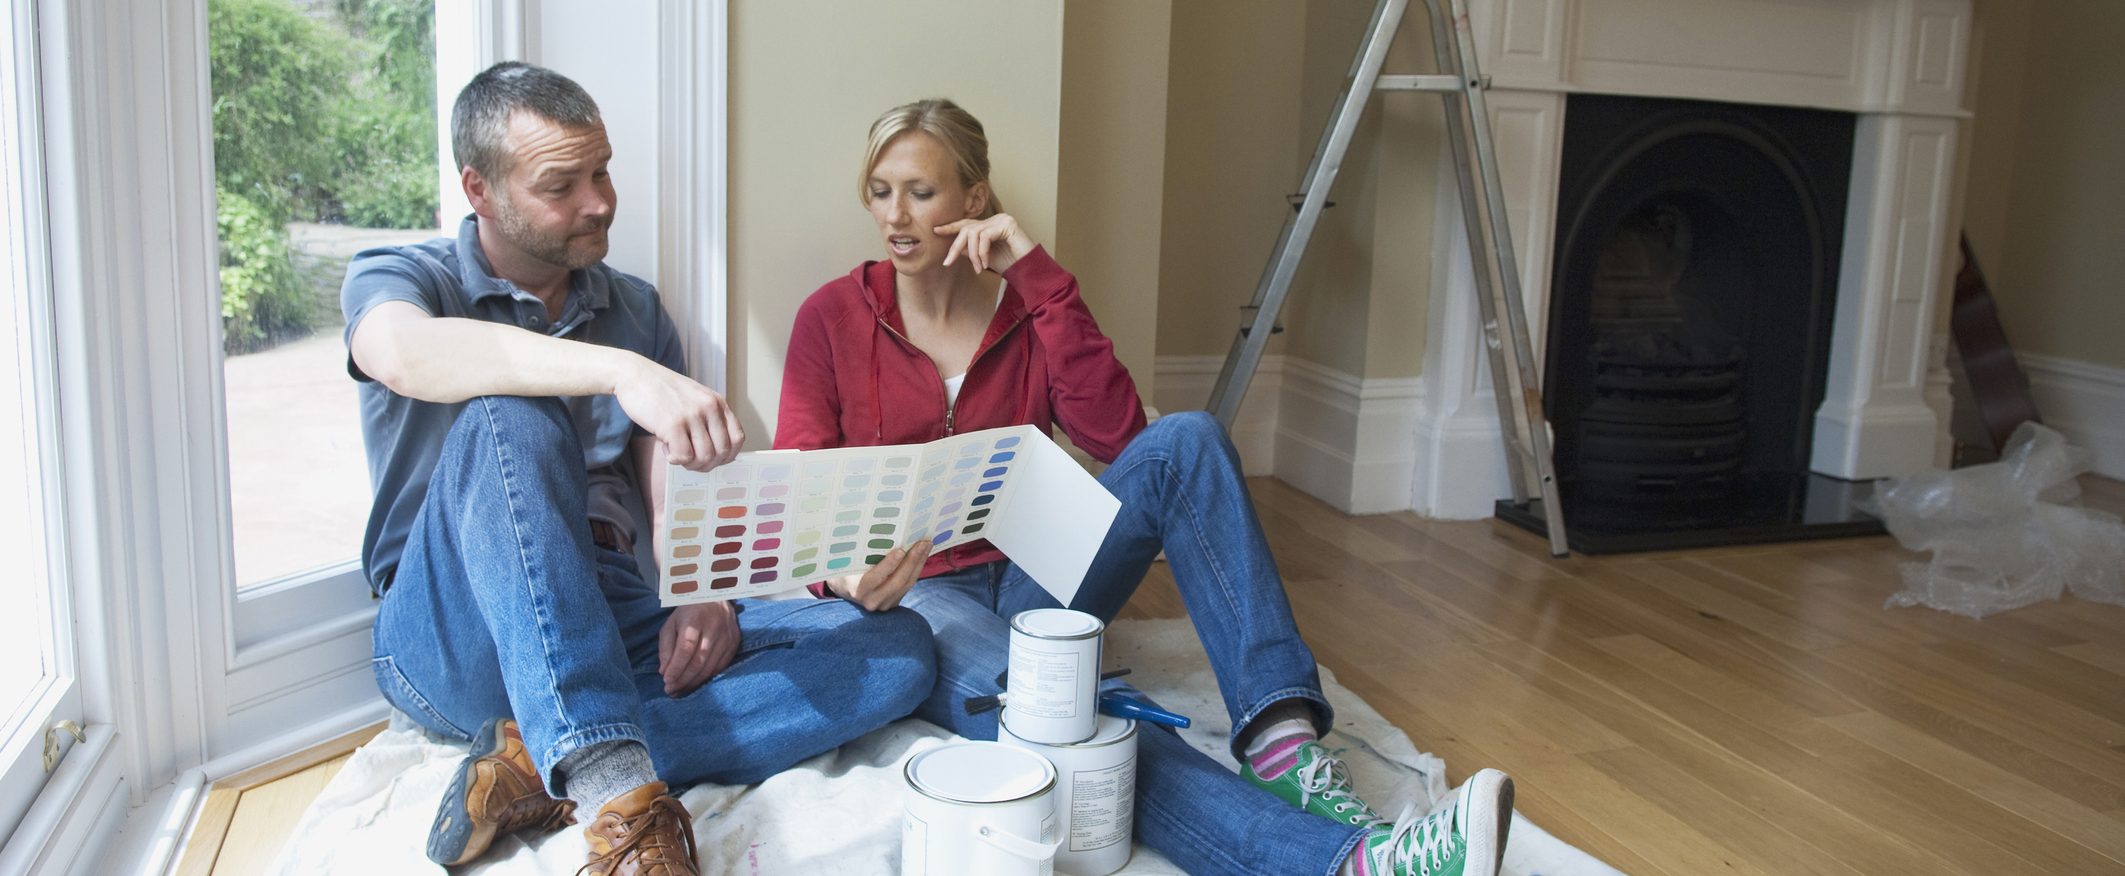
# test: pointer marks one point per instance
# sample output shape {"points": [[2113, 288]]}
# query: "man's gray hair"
{"points": [[479, 121]]}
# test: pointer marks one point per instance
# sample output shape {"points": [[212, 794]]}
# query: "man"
{"points": [[518, 395]]}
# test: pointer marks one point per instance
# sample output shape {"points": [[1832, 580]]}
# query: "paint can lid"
{"points": [[1057, 623], [979, 772]]}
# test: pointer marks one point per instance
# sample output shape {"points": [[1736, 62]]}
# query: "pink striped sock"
{"points": [[1356, 865], [1281, 754]]}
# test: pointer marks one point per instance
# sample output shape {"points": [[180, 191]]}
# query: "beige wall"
{"points": [[1232, 103], [806, 79], [2047, 173], [1367, 285], [1250, 87], [1110, 198]]}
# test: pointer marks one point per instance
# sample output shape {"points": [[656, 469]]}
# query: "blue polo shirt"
{"points": [[450, 277]]}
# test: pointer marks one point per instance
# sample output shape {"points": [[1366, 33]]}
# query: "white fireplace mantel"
{"points": [[1898, 64]]}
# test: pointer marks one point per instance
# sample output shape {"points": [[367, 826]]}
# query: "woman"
{"points": [[969, 324]]}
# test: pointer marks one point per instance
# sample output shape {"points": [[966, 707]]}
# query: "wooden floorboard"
{"points": [[1749, 709], [1744, 710]]}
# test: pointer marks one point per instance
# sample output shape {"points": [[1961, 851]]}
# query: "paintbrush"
{"points": [[978, 705]]}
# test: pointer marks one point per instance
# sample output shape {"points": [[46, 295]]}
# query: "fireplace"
{"points": [[1689, 317], [1721, 356]]}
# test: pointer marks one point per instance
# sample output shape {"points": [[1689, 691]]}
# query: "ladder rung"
{"points": [[1432, 82]]}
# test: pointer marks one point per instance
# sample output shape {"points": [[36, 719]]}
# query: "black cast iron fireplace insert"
{"points": [[1689, 323]]}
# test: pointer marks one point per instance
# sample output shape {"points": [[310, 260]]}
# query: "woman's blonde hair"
{"points": [[956, 128]]}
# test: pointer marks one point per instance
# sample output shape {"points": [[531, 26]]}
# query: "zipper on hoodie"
{"points": [[950, 408]]}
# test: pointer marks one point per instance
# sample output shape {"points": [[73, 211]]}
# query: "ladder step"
{"points": [[1431, 82], [1297, 200]]}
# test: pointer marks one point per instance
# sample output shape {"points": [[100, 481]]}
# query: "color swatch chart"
{"points": [[771, 521]]}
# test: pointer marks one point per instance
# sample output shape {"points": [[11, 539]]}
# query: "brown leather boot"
{"points": [[643, 832], [496, 792]]}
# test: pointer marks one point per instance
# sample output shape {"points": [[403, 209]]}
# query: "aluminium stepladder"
{"points": [[1497, 273]]}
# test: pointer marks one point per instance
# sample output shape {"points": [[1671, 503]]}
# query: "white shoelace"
{"points": [[1432, 835], [1327, 778]]}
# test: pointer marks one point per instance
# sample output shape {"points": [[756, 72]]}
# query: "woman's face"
{"points": [[914, 188]]}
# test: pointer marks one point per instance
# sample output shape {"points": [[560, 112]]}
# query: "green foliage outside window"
{"points": [[276, 74], [261, 294], [322, 116]]}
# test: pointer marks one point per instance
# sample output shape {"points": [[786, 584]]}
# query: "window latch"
{"points": [[51, 741]]}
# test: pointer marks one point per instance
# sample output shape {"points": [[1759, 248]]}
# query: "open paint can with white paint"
{"points": [[978, 807], [1095, 795], [1052, 694]]}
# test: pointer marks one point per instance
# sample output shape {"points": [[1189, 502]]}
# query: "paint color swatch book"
{"points": [[780, 519]]}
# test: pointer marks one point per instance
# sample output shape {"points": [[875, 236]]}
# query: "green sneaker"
{"points": [[1465, 839], [1319, 783]]}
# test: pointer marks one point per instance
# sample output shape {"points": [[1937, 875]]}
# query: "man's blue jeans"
{"points": [[502, 606], [1180, 488]]}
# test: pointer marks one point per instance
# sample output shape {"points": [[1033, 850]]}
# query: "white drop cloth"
{"points": [[839, 813]]}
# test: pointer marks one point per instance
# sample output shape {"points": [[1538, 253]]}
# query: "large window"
{"points": [[324, 145], [37, 686]]}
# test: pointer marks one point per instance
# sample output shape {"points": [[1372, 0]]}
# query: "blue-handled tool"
{"points": [[1111, 703]]}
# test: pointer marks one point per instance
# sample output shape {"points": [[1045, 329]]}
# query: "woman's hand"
{"points": [[992, 244], [881, 587]]}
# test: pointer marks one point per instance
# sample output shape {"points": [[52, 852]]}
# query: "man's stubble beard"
{"points": [[553, 249]]}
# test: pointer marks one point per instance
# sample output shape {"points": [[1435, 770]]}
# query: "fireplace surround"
{"points": [[1893, 67]]}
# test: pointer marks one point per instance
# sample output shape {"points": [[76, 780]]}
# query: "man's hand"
{"points": [[881, 587], [696, 426], [698, 641]]}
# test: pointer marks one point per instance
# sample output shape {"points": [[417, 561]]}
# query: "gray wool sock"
{"points": [[593, 776]]}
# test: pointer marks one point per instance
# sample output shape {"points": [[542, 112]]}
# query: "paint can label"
{"points": [[1102, 806], [1044, 684]]}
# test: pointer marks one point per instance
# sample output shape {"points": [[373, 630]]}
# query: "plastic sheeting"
{"points": [[2004, 534]]}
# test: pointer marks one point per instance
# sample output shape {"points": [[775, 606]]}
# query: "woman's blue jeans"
{"points": [[1181, 491], [502, 606]]}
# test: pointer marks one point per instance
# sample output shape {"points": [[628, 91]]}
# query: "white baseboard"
{"points": [[2086, 403], [1347, 441], [1183, 383]]}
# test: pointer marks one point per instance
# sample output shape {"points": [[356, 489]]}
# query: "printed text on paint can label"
{"points": [[1044, 683], [1102, 804]]}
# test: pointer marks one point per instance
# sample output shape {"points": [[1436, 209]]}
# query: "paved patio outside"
{"points": [[298, 481]]}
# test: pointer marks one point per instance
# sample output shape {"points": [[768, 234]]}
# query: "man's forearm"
{"points": [[450, 360]]}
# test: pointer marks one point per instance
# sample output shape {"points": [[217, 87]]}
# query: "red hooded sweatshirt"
{"points": [[853, 379]]}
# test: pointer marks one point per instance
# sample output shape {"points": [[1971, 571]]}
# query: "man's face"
{"points": [[555, 203]]}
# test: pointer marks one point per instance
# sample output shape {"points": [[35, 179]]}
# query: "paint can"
{"points": [[978, 807], [1095, 796], [1053, 690]]}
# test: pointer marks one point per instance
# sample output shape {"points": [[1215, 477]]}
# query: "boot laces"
{"points": [[536, 809], [638, 829]]}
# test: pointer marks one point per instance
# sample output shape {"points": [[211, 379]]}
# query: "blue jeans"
{"points": [[502, 606], [1180, 488]]}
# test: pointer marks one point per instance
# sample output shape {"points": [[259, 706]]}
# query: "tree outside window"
{"points": [[324, 145]]}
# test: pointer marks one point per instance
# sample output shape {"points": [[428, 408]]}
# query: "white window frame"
{"points": [[185, 678], [58, 695]]}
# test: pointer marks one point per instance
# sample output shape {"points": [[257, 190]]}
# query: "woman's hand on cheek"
{"points": [[992, 244]]}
